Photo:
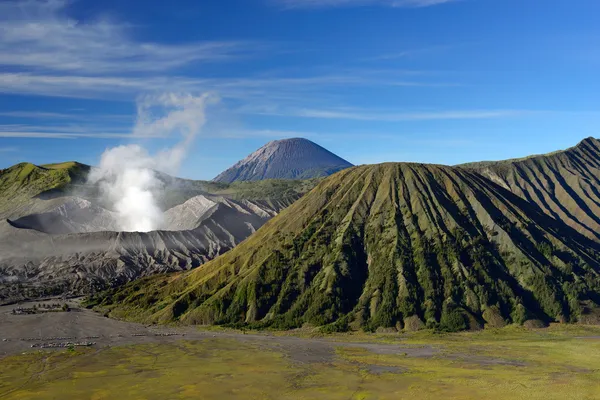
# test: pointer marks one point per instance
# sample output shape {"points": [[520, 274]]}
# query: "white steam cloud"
{"points": [[126, 174]]}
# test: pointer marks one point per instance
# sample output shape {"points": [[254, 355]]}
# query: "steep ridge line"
{"points": [[564, 184]]}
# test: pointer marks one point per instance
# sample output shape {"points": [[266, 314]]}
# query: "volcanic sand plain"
{"points": [[133, 361]]}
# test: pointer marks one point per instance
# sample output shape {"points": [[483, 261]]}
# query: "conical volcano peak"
{"points": [[295, 158]]}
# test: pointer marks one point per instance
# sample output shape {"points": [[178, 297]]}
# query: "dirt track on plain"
{"points": [[19, 332]]}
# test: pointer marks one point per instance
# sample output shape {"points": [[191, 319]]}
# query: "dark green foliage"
{"points": [[519, 314], [341, 325], [91, 302], [453, 321], [267, 189], [181, 306], [550, 295]]}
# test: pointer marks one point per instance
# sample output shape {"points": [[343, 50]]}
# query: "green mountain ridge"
{"points": [[391, 245], [564, 184], [22, 182]]}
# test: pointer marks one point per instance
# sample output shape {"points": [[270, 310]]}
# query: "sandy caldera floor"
{"points": [[146, 362], [19, 332]]}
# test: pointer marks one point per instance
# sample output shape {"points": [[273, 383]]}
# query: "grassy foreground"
{"points": [[511, 363]]}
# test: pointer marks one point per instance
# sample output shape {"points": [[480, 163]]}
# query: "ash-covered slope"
{"points": [[73, 215], [193, 212], [75, 249], [76, 215], [188, 215], [34, 264], [565, 184], [53, 241], [391, 245], [285, 159]]}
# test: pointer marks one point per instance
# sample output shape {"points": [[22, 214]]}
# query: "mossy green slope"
{"points": [[565, 184], [21, 182], [386, 246]]}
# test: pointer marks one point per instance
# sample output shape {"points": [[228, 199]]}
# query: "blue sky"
{"points": [[436, 81]]}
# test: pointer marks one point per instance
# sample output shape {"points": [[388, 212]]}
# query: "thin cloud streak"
{"points": [[58, 135], [65, 132], [420, 3], [66, 128], [114, 87], [100, 132], [300, 4], [63, 116], [45, 52], [33, 114], [361, 115], [39, 36], [236, 134], [416, 52]]}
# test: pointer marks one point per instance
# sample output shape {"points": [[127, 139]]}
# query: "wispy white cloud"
{"points": [[269, 134], [8, 149], [75, 85], [43, 115], [38, 35], [49, 135], [33, 114], [416, 52], [410, 138], [366, 115], [45, 52], [97, 132], [260, 87], [62, 135], [294, 4], [64, 131], [420, 3], [100, 132]]}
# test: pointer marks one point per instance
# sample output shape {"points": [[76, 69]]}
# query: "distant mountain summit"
{"points": [[285, 159]]}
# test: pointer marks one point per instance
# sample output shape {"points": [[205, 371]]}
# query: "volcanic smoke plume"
{"points": [[126, 174]]}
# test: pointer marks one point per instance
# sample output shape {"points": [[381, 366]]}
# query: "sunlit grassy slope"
{"points": [[65, 165], [390, 245], [21, 182], [498, 364]]}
